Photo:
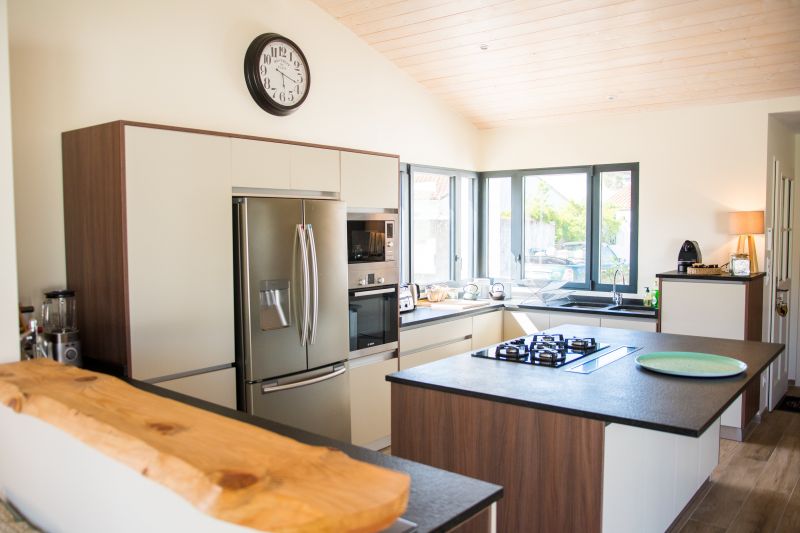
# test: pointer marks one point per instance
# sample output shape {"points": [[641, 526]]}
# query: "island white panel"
{"points": [[704, 309], [649, 476], [62, 484]]}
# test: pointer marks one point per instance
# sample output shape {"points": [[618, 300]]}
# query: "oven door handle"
{"points": [[359, 294]]}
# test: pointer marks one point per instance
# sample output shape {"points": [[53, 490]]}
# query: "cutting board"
{"points": [[458, 305], [228, 469]]}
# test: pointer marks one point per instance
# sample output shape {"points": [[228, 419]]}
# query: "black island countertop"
{"points": [[439, 500], [620, 392]]}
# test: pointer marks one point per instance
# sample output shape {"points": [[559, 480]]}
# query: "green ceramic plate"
{"points": [[691, 364]]}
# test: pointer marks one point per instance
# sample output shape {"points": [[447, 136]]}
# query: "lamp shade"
{"points": [[746, 222]]}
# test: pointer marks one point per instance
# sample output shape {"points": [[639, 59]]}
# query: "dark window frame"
{"points": [[407, 171], [593, 216]]}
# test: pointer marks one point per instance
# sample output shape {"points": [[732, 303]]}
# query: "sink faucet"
{"points": [[615, 296]]}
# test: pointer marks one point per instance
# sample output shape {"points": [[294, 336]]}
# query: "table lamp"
{"points": [[745, 224]]}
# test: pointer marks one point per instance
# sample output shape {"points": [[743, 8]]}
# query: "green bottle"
{"points": [[656, 296]]}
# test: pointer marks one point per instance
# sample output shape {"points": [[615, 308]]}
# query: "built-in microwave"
{"points": [[371, 238]]}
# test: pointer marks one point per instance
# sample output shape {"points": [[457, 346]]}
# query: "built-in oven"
{"points": [[373, 320]]}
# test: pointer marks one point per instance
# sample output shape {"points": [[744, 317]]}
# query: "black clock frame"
{"points": [[253, 79]]}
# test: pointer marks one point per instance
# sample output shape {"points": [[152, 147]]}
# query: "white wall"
{"points": [[696, 165], [9, 347], [179, 62]]}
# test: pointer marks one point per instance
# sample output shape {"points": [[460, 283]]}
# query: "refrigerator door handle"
{"points": [[244, 265], [268, 388], [304, 265], [312, 248]]}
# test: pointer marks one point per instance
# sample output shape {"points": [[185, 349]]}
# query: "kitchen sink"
{"points": [[632, 308], [586, 305]]}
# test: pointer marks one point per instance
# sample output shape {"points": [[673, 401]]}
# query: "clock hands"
{"points": [[285, 76]]}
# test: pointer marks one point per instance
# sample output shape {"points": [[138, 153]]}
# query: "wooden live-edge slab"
{"points": [[228, 469]]}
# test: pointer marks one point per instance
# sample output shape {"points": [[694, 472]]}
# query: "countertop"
{"points": [[620, 392], [424, 315], [439, 500], [674, 274]]}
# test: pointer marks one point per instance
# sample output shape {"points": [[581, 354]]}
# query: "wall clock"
{"points": [[276, 73]]}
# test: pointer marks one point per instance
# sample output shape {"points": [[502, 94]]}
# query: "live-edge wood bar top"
{"points": [[227, 469], [620, 392]]}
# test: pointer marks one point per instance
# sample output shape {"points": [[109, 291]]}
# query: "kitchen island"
{"points": [[619, 449]]}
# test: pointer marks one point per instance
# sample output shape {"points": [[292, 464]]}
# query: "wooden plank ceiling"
{"points": [[508, 62]]}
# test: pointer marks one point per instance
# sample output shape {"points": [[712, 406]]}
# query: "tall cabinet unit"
{"points": [[722, 306], [148, 237]]}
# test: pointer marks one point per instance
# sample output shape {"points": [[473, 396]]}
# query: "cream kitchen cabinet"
{"points": [[370, 181], [260, 165], [638, 324], [282, 166], [315, 169], [217, 387], [370, 400], [148, 237], [520, 323], [487, 329], [581, 319], [426, 344]]}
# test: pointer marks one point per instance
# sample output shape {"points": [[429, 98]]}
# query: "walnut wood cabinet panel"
{"points": [[539, 457]]}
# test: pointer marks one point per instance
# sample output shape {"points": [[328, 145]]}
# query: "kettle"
{"points": [[497, 294], [471, 291]]}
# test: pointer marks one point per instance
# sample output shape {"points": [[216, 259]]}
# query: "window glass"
{"points": [[555, 227], [615, 225], [500, 259], [466, 228], [430, 230]]}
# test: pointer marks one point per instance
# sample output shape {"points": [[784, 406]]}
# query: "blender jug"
{"points": [[60, 327], [59, 312]]}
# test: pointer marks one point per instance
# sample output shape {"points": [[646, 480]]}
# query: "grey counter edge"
{"points": [[448, 316]]}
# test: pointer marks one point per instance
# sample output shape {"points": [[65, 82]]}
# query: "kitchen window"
{"points": [[438, 224], [576, 224]]}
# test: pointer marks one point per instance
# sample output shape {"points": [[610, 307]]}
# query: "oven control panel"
{"points": [[369, 277]]}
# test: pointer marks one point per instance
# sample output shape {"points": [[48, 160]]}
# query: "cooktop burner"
{"points": [[546, 350]]}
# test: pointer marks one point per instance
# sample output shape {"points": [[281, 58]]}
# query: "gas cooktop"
{"points": [[552, 350]]}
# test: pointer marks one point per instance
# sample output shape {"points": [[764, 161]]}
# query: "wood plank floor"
{"points": [[756, 486]]}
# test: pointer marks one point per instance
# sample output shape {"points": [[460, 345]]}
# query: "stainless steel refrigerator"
{"points": [[292, 312]]}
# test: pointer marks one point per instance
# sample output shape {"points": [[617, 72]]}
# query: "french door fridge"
{"points": [[292, 344]]}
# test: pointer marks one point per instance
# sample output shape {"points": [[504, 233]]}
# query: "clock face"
{"points": [[276, 73]]}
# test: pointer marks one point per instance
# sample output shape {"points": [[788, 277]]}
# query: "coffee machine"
{"points": [[688, 255], [60, 327]]}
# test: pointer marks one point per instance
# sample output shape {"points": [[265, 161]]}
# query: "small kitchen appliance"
{"points": [[688, 255], [405, 299], [60, 327]]}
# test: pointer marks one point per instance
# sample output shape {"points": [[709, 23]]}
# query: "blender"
{"points": [[60, 327]]}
